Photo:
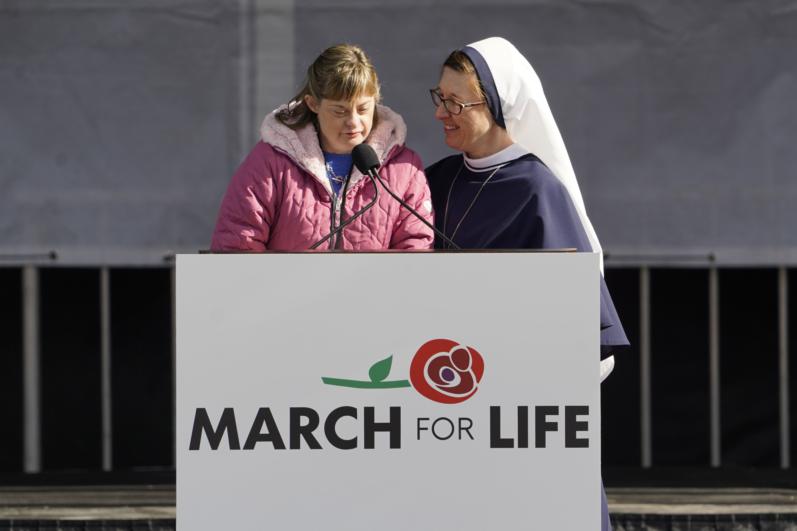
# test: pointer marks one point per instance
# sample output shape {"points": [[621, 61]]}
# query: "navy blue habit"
{"points": [[522, 206]]}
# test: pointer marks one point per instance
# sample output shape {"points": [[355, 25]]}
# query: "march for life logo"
{"points": [[442, 370]]}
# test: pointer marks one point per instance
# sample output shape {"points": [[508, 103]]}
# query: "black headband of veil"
{"points": [[487, 82]]}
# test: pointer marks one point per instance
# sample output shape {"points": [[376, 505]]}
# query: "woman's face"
{"points": [[472, 129], [343, 124]]}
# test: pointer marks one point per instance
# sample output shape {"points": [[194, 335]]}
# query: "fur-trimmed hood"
{"points": [[303, 146]]}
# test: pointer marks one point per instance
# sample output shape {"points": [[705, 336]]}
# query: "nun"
{"points": [[511, 186]]}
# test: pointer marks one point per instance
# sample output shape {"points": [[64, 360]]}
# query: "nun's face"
{"points": [[472, 130]]}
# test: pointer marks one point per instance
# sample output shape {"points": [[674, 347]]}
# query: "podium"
{"points": [[388, 391]]}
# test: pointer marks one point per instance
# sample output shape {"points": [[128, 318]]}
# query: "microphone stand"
{"points": [[339, 236], [354, 216], [439, 233]]}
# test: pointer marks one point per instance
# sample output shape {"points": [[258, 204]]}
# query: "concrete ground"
{"points": [[158, 502]]}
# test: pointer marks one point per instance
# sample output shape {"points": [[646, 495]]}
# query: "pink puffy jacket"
{"points": [[280, 197]]}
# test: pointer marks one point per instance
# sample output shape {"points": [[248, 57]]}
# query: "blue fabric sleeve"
{"points": [[559, 226]]}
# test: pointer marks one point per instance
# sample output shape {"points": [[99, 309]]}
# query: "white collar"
{"points": [[489, 162]]}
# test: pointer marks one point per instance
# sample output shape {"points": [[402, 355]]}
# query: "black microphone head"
{"points": [[364, 157]]}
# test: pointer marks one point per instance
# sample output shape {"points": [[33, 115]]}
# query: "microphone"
{"points": [[364, 157], [367, 162]]}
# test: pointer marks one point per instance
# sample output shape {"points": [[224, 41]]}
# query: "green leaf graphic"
{"points": [[380, 369]]}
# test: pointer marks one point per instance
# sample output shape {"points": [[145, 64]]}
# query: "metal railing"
{"points": [[32, 415], [32, 366]]}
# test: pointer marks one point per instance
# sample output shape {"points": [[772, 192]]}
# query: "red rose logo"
{"points": [[445, 371]]}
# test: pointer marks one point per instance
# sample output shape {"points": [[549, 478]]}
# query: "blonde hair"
{"points": [[458, 61], [341, 72]]}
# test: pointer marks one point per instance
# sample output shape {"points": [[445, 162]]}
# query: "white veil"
{"points": [[528, 118]]}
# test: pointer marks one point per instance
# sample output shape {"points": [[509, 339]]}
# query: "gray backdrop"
{"points": [[122, 121]]}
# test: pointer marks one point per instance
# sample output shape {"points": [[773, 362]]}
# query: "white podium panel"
{"points": [[388, 391]]}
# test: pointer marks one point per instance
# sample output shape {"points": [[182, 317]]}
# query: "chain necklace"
{"points": [[470, 206], [334, 176]]}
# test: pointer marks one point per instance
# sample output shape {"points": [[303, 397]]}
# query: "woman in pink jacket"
{"points": [[291, 190]]}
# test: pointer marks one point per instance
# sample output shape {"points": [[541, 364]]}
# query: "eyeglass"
{"points": [[451, 106]]}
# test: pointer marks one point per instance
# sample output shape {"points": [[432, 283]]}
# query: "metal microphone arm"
{"points": [[445, 238]]}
